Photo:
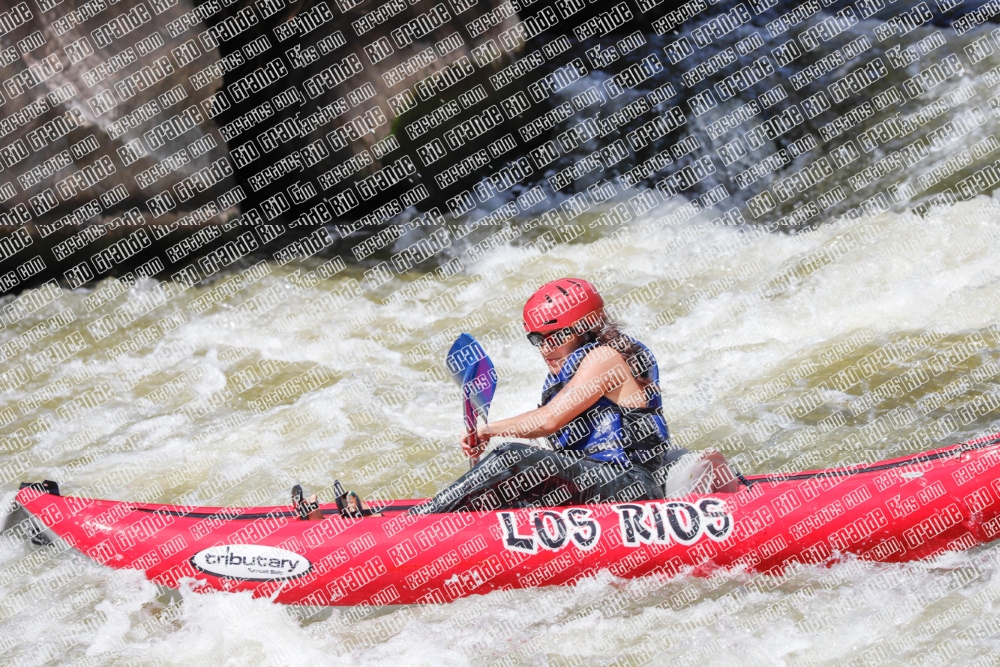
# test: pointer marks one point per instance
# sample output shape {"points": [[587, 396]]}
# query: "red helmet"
{"points": [[561, 304]]}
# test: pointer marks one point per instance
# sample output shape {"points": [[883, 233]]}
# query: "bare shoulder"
{"points": [[602, 358]]}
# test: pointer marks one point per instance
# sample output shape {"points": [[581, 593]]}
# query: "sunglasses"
{"points": [[554, 339]]}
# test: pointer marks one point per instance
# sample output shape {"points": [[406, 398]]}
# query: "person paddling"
{"points": [[601, 412], [601, 416]]}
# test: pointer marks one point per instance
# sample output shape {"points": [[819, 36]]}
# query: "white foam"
{"points": [[938, 274]]}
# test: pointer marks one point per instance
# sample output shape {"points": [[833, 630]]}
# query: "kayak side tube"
{"points": [[904, 509]]}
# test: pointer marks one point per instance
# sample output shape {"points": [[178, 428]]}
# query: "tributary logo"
{"points": [[251, 562]]}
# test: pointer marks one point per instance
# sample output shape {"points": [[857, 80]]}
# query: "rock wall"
{"points": [[102, 131], [351, 95], [173, 115], [98, 110]]}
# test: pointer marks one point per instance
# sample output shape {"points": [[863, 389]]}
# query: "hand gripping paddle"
{"points": [[473, 371]]}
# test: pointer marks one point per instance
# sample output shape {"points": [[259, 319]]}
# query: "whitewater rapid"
{"points": [[743, 324]]}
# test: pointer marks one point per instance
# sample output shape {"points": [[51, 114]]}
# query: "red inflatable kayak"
{"points": [[897, 510]]}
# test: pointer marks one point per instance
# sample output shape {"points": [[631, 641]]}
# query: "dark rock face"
{"points": [[127, 127], [100, 110], [344, 99], [173, 115], [104, 137]]}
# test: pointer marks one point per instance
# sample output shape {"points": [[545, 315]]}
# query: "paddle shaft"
{"points": [[474, 441]]}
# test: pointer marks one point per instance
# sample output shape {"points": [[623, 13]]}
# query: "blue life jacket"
{"points": [[606, 431]]}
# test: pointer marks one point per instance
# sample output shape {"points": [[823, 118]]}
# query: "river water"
{"points": [[190, 406], [384, 423]]}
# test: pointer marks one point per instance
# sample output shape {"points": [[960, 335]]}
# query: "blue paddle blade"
{"points": [[473, 371], [464, 352], [479, 384]]}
